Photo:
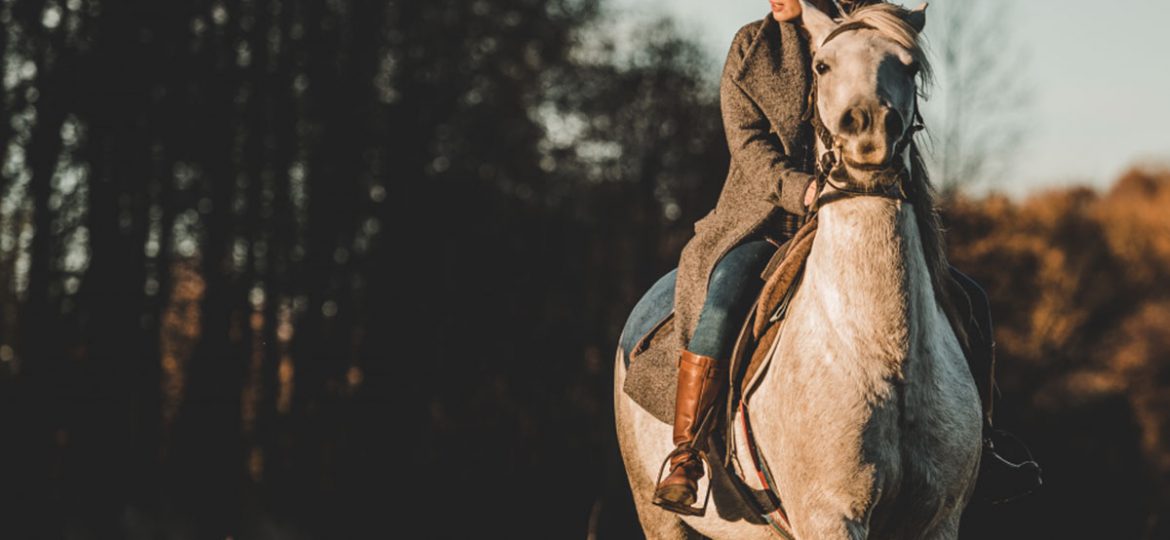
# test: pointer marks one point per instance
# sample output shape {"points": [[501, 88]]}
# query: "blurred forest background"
{"points": [[357, 269]]}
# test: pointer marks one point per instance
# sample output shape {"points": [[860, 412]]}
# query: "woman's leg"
{"points": [[733, 285]]}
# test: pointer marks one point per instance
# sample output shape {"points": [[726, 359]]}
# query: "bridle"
{"points": [[827, 162]]}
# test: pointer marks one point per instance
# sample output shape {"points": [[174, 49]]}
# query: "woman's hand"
{"points": [[810, 193]]}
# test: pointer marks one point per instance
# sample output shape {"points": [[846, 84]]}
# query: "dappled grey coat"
{"points": [[763, 92]]}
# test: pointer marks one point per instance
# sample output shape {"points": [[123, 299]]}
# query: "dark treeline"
{"points": [[356, 269], [296, 268]]}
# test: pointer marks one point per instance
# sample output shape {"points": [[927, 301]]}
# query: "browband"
{"points": [[855, 25]]}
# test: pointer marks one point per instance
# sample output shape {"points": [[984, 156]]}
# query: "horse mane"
{"points": [[890, 21], [922, 195]]}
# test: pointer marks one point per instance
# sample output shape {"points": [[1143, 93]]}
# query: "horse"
{"points": [[865, 412]]}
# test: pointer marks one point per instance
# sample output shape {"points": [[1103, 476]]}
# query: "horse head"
{"points": [[867, 68]]}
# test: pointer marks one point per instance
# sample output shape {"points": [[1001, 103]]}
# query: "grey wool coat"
{"points": [[763, 92]]}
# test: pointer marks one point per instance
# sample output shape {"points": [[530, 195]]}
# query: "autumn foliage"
{"points": [[357, 269], [1080, 292]]}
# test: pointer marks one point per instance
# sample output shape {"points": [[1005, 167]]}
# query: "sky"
{"points": [[1098, 74]]}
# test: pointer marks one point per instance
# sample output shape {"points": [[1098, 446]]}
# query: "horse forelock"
{"points": [[890, 21]]}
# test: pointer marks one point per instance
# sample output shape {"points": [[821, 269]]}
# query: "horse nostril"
{"points": [[855, 120], [847, 122]]}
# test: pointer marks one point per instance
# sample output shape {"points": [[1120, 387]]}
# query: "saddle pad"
{"points": [[781, 277]]}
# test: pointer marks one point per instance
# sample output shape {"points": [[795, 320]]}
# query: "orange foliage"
{"points": [[180, 332], [1080, 287]]}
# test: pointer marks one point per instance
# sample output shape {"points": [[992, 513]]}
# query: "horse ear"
{"points": [[917, 17], [816, 22]]}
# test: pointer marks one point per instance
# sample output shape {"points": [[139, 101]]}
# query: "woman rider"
{"points": [[763, 92]]}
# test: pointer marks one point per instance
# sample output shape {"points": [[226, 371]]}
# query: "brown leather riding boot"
{"points": [[699, 381]]}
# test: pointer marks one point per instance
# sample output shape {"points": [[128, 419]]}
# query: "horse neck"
{"points": [[868, 277], [863, 307]]}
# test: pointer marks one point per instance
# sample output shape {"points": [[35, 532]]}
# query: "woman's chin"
{"points": [[784, 16]]}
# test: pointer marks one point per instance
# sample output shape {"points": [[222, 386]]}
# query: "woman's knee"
{"points": [[735, 279], [725, 274], [743, 263]]}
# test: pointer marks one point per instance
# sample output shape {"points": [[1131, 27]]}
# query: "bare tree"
{"points": [[977, 120]]}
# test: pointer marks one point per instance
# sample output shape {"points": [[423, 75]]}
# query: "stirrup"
{"points": [[989, 442], [672, 506], [1027, 466]]}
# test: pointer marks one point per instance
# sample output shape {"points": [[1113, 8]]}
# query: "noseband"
{"points": [[826, 163]]}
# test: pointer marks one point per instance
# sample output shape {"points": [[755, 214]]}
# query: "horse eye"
{"points": [[822, 68]]}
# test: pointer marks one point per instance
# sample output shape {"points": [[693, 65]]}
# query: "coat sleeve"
{"points": [[755, 149]]}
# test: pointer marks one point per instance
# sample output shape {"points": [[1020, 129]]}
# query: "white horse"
{"points": [[865, 413]]}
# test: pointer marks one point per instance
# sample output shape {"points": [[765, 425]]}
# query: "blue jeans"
{"points": [[734, 285]]}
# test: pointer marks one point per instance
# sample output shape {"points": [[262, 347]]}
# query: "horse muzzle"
{"points": [[867, 135]]}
